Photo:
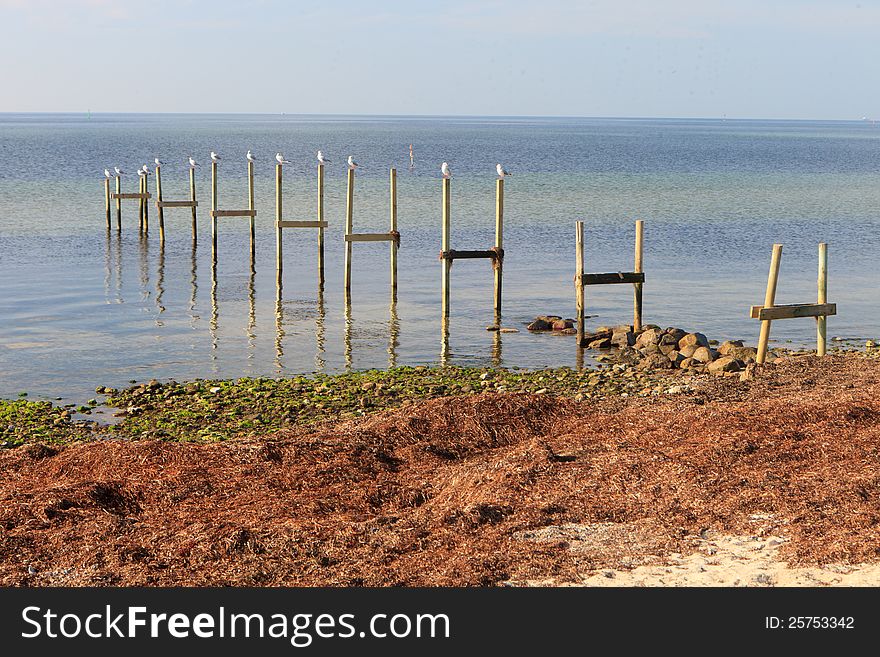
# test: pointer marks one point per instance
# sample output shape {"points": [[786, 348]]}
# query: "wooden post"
{"points": [[146, 203], [192, 197], [321, 219], [141, 204], [579, 280], [118, 203], [637, 305], [769, 299], [393, 181], [278, 245], [214, 208], [349, 222], [107, 199], [159, 209], [444, 246], [822, 321], [499, 242], [251, 206]]}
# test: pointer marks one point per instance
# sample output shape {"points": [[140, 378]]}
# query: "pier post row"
{"points": [[217, 213], [392, 236], [581, 280], [495, 254], [769, 311], [281, 223], [161, 203], [141, 197]]}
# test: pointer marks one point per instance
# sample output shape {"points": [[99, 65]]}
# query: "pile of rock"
{"points": [[670, 348], [553, 323]]}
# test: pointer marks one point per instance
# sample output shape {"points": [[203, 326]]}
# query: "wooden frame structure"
{"points": [[280, 223], [635, 277], [769, 311], [495, 254], [142, 196], [216, 213], [161, 204], [392, 236]]}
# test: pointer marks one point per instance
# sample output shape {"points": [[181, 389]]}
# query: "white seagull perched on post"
{"points": [[322, 159], [158, 162], [250, 156], [215, 158], [501, 172], [444, 169], [193, 164], [144, 172], [107, 174], [351, 163], [280, 159], [119, 172]]}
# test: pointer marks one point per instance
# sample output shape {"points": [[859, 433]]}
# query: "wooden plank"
{"points": [[177, 204], [302, 224], [615, 277], [233, 213], [793, 311], [369, 237], [466, 255], [131, 196]]}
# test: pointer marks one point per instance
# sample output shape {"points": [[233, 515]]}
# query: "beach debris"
{"points": [[552, 323]]}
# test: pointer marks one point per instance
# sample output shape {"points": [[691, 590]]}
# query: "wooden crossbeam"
{"points": [[302, 224], [452, 254], [131, 196], [794, 310], [177, 204], [371, 237], [615, 277], [233, 213]]}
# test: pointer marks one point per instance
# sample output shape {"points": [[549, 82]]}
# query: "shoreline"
{"points": [[385, 489]]}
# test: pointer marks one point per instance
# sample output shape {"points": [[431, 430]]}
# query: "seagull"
{"points": [[351, 163], [158, 162], [322, 159], [501, 172], [444, 169], [119, 172], [146, 170], [107, 174], [215, 158], [193, 164], [249, 156], [280, 159]]}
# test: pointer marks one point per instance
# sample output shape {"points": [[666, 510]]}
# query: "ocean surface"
{"points": [[82, 306]]}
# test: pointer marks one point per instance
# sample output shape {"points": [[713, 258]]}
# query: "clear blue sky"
{"points": [[687, 58]]}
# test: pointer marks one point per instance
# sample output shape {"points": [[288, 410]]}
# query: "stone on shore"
{"points": [[725, 347], [702, 354], [623, 338], [694, 338], [723, 364]]}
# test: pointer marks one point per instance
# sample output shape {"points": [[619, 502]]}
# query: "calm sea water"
{"points": [[80, 306]]}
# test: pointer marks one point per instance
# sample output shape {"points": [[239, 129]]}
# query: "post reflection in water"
{"points": [[160, 284], [144, 249], [347, 334], [444, 340], [320, 363], [195, 286], [119, 297], [279, 325], [108, 269], [496, 347], [393, 331], [579, 359], [214, 312], [252, 314]]}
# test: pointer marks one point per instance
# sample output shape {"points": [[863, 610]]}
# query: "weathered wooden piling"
{"points": [[107, 200], [822, 321], [281, 223], [192, 197], [214, 208], [349, 210], [579, 279], [146, 193], [279, 260], [394, 243], [216, 212], [769, 299], [253, 210], [637, 287], [118, 203], [444, 247], [498, 263], [160, 209], [321, 222]]}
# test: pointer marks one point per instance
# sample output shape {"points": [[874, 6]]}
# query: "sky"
{"points": [[623, 58]]}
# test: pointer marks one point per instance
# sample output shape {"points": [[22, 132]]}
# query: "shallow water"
{"points": [[81, 306]]}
